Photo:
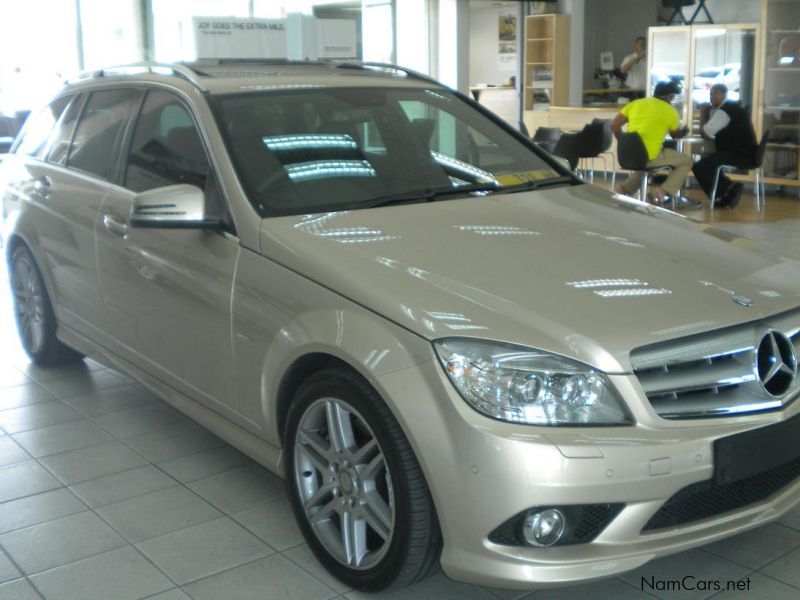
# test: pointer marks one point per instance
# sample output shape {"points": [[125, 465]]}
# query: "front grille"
{"points": [[706, 499], [712, 374], [583, 523]]}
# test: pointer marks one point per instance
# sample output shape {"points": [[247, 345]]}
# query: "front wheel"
{"points": [[36, 321], [356, 488]]}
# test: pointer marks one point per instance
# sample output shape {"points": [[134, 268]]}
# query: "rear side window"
{"points": [[39, 127], [166, 148], [100, 130], [57, 146]]}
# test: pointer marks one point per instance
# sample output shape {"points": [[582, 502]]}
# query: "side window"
{"points": [[57, 146], [100, 131], [166, 148], [39, 127]]}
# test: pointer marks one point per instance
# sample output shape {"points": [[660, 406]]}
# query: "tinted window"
{"points": [[166, 148], [39, 126], [57, 146], [333, 149], [100, 131]]}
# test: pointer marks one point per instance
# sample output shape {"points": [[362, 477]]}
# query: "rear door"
{"points": [[63, 192], [168, 291], [80, 165]]}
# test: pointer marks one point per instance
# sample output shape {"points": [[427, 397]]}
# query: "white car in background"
{"points": [[704, 79]]}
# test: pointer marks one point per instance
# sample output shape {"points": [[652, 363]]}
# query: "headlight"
{"points": [[522, 385]]}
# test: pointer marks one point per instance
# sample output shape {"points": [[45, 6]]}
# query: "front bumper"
{"points": [[481, 472]]}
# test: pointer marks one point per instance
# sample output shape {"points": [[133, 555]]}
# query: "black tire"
{"points": [[33, 312], [412, 550]]}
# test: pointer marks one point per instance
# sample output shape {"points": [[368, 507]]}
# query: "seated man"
{"points": [[729, 125], [652, 118]]}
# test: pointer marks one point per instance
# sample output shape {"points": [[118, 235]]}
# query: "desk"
{"points": [[613, 93], [501, 100]]}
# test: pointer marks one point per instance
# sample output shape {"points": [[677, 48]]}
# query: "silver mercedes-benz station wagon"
{"points": [[453, 350]]}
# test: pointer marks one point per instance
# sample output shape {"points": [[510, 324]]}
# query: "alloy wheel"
{"points": [[29, 303], [344, 483]]}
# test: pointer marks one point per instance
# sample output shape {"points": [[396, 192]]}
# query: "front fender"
{"points": [[279, 317]]}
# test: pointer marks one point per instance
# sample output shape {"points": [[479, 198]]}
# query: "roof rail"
{"points": [[388, 67], [178, 69]]}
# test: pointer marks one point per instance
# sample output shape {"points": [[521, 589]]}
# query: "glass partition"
{"points": [[723, 54], [669, 61]]}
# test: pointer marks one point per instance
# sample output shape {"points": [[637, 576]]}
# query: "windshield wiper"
{"points": [[432, 193], [426, 194], [534, 184]]}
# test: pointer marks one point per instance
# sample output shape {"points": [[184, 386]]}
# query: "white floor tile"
{"points": [[59, 542], [205, 464], [24, 479], [273, 522], [39, 508], [92, 462], [158, 513], [270, 577], [122, 575], [121, 486], [242, 488], [61, 438], [202, 550]]}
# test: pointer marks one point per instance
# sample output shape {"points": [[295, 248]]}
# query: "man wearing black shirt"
{"points": [[730, 127]]}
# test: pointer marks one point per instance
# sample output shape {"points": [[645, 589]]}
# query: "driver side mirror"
{"points": [[172, 207]]}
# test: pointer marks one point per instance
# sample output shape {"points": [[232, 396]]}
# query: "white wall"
{"points": [[484, 56]]}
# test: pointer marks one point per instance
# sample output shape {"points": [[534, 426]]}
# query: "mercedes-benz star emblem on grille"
{"points": [[776, 363]]}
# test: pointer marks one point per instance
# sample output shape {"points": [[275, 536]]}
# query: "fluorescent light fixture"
{"points": [[324, 169], [309, 141], [496, 230], [632, 292], [595, 283]]}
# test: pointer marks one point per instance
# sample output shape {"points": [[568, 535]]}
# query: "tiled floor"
{"points": [[107, 493]]}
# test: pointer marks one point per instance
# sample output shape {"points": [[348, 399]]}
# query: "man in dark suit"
{"points": [[729, 125]]}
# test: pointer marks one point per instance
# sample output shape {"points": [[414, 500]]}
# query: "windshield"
{"points": [[325, 149]]}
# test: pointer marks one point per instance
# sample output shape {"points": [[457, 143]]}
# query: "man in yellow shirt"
{"points": [[652, 118]]}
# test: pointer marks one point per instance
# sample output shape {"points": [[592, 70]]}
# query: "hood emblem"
{"points": [[742, 300], [776, 363]]}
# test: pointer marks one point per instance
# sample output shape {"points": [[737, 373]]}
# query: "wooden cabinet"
{"points": [[546, 55]]}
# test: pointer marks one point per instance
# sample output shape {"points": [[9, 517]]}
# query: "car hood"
{"points": [[574, 270]]}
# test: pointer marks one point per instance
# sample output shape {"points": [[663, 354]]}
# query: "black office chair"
{"points": [[632, 156], [608, 138], [590, 144], [568, 147], [757, 165], [547, 137]]}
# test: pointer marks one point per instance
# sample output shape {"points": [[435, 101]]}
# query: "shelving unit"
{"points": [[546, 55], [781, 91]]}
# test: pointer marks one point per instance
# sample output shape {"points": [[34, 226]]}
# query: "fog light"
{"points": [[544, 527]]}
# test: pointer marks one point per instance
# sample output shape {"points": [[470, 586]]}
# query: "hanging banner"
{"points": [[226, 37]]}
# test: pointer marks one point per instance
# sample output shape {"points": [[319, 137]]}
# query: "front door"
{"points": [[168, 291]]}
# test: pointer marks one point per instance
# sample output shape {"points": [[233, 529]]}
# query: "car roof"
{"points": [[232, 76]]}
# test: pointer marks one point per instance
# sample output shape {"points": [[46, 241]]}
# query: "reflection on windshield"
{"points": [[322, 149]]}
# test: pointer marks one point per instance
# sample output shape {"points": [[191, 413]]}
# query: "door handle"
{"points": [[42, 186], [115, 226]]}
